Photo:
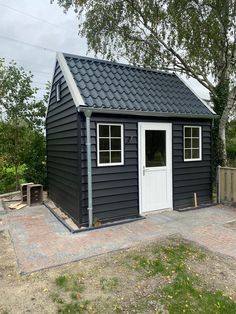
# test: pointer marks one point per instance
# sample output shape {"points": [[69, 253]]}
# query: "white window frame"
{"points": [[122, 146], [58, 91], [200, 142]]}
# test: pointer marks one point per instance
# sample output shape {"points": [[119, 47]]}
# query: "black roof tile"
{"points": [[104, 84]]}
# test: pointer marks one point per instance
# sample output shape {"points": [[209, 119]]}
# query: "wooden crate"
{"points": [[23, 190], [34, 194]]}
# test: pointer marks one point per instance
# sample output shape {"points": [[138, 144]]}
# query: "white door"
{"points": [[155, 166]]}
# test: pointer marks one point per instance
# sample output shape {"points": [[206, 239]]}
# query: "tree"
{"points": [[35, 159], [18, 97], [195, 37], [23, 113], [231, 141]]}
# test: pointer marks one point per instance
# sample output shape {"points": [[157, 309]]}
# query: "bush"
{"points": [[35, 159], [8, 178]]}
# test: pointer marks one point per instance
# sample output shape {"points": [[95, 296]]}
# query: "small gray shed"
{"points": [[123, 141]]}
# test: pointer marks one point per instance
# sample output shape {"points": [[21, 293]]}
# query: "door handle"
{"points": [[144, 171]]}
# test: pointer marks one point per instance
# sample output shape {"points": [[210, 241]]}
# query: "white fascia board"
{"points": [[189, 87], [77, 98], [54, 69]]}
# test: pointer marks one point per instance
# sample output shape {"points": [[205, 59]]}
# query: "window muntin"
{"points": [[192, 143], [110, 144]]}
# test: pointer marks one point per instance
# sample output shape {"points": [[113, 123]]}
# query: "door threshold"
{"points": [[158, 211]]}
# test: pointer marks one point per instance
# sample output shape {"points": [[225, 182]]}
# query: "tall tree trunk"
{"points": [[230, 105]]}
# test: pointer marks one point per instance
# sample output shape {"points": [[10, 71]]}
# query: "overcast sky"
{"points": [[53, 30]]}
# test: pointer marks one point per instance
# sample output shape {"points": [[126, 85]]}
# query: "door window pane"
{"points": [[155, 148]]}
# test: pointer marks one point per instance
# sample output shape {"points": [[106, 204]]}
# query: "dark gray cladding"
{"points": [[104, 84], [63, 147], [115, 188]]}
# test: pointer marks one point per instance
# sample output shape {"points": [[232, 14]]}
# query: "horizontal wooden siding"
{"points": [[63, 157]]}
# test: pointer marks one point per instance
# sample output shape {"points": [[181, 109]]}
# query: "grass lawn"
{"points": [[169, 276]]}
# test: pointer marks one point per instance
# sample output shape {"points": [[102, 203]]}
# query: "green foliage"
{"points": [[231, 141], [184, 292], [74, 308], [20, 138], [7, 178], [18, 97], [153, 32], [168, 259], [70, 283], [35, 159], [13, 144], [194, 37], [183, 296]]}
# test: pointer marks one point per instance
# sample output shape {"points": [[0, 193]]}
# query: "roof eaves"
{"points": [[78, 99], [150, 113]]}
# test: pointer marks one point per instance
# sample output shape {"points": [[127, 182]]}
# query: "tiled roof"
{"points": [[108, 85]]}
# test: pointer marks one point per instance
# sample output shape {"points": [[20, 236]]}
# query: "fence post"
{"points": [[218, 185]]}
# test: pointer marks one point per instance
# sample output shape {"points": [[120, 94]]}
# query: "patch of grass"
{"points": [[109, 283], [150, 266], [76, 308], [70, 283], [182, 296], [56, 298], [167, 260]]}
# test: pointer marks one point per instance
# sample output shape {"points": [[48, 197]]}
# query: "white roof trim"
{"points": [[50, 92], [78, 100], [189, 87]]}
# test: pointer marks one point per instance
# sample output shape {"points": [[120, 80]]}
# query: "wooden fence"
{"points": [[226, 185]]}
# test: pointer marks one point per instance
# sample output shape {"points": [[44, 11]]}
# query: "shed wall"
{"points": [[63, 149], [115, 188]]}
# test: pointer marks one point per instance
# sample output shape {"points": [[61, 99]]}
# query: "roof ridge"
{"points": [[118, 64]]}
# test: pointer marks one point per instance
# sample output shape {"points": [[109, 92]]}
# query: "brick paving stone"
{"points": [[41, 241]]}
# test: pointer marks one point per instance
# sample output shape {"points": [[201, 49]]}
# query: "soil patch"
{"points": [[139, 280]]}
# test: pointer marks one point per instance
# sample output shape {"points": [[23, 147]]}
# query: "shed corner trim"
{"points": [[77, 98]]}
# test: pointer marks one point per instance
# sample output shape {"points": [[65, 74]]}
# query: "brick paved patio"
{"points": [[41, 241]]}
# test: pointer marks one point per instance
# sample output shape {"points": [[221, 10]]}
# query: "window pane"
{"points": [[155, 148], [195, 153], [195, 143], [115, 144], [115, 131], [187, 154], [115, 157], [103, 130], [188, 143], [195, 132], [104, 157], [104, 144], [187, 132]]}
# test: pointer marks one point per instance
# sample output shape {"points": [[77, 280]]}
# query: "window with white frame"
{"points": [[110, 150], [192, 143]]}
